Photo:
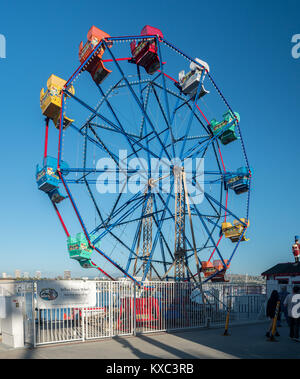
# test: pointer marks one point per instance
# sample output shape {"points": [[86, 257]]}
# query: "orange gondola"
{"points": [[209, 269], [95, 65]]}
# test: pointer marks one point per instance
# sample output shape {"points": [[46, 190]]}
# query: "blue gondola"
{"points": [[239, 181], [55, 196], [48, 180]]}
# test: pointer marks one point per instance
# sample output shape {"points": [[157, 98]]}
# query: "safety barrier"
{"points": [[124, 308]]}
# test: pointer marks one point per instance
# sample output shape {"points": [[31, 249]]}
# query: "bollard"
{"points": [[272, 339], [208, 322], [227, 319]]}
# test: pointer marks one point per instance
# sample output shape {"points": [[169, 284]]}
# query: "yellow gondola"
{"points": [[50, 101], [235, 231]]}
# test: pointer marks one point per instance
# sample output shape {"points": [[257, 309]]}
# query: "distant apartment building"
{"points": [[38, 275], [17, 273], [26, 275], [67, 274], [4, 275]]}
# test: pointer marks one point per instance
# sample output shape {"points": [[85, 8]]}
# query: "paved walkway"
{"points": [[245, 342]]}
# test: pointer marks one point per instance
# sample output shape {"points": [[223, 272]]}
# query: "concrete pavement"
{"points": [[244, 342]]}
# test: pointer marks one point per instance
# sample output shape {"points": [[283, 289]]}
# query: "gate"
{"points": [[111, 316], [26, 291]]}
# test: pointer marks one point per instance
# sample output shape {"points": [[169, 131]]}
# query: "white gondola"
{"points": [[189, 82]]}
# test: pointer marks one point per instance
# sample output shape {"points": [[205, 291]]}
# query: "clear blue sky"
{"points": [[248, 46]]}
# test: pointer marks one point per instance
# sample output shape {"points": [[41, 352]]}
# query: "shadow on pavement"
{"points": [[125, 342], [247, 342], [168, 348]]}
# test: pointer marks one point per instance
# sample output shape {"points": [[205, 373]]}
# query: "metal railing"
{"points": [[123, 308]]}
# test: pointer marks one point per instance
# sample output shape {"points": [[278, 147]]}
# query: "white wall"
{"points": [[273, 284]]}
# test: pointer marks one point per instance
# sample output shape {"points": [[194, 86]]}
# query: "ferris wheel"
{"points": [[150, 172]]}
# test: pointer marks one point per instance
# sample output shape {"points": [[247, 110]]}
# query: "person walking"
{"points": [[283, 309], [294, 322], [271, 310]]}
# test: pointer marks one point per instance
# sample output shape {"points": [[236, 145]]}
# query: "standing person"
{"points": [[271, 310], [294, 321], [296, 249], [283, 309]]}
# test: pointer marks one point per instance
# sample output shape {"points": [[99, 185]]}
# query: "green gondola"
{"points": [[228, 124], [79, 248]]}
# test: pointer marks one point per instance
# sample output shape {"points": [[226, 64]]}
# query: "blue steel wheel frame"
{"points": [[149, 117]]}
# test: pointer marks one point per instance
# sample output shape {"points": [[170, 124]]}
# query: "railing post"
{"points": [[134, 309], [82, 322], [227, 317], [110, 305], [208, 322], [248, 306], [33, 313]]}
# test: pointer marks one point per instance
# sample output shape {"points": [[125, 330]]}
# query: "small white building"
{"points": [[282, 275]]}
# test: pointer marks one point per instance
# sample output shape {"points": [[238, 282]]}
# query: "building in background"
{"points": [[38, 275], [67, 274], [4, 275], [17, 274], [282, 274], [26, 275], [245, 279]]}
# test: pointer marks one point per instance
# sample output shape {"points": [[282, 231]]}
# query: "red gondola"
{"points": [[145, 52]]}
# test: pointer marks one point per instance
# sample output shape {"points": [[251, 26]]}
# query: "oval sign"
{"points": [[48, 294]]}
